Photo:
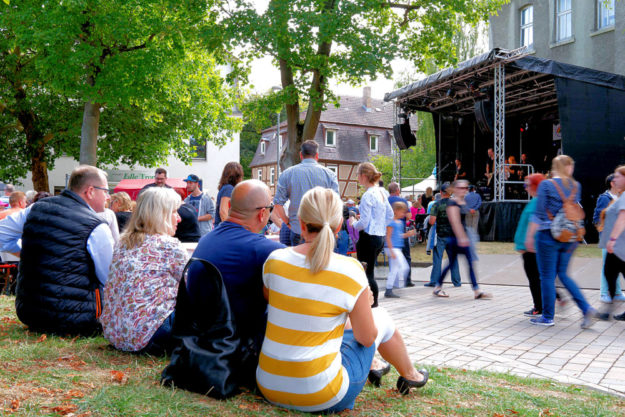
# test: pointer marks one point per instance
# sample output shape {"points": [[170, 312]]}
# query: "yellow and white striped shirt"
{"points": [[300, 362]]}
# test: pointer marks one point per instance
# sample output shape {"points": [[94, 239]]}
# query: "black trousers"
{"points": [[613, 267], [406, 251], [367, 250], [533, 276]]}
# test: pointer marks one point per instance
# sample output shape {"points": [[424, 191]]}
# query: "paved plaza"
{"points": [[494, 335]]}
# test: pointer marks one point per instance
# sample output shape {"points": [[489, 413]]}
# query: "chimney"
{"points": [[366, 98]]}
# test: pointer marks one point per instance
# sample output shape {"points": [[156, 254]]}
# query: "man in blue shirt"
{"points": [[296, 180], [474, 202], [238, 251], [394, 196]]}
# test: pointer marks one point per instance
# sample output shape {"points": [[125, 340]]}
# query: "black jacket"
{"points": [[57, 288]]}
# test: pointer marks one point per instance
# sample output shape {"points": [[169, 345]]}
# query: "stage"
{"points": [[512, 104]]}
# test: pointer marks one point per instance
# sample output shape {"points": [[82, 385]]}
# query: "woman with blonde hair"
{"points": [[140, 293], [321, 332], [121, 204], [375, 214], [553, 256]]}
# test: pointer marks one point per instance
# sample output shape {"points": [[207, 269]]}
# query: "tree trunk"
{"points": [[290, 156], [39, 169], [89, 134]]}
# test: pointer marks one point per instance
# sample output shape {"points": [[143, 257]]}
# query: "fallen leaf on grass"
{"points": [[9, 320], [15, 404], [74, 393], [432, 401], [65, 409], [512, 411], [545, 412], [119, 377], [42, 338]]}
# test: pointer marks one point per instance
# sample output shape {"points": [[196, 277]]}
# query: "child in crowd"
{"points": [[398, 267]]}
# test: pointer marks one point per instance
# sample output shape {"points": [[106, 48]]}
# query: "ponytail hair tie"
{"points": [[326, 224]]}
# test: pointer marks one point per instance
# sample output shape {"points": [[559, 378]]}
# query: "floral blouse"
{"points": [[141, 290]]}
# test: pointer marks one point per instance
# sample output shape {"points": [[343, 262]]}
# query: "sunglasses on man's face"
{"points": [[269, 207]]}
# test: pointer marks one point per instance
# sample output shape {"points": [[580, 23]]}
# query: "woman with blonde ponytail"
{"points": [[321, 331]]}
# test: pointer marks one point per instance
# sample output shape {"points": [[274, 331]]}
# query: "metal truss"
{"points": [[396, 155], [500, 131]]}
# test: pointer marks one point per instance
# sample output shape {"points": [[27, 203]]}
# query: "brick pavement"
{"points": [[494, 335]]}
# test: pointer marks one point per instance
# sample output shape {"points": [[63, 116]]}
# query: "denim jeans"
{"points": [[356, 360], [553, 259], [604, 282], [162, 341], [453, 250], [437, 261]]}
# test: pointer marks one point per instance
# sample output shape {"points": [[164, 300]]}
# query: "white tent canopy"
{"points": [[419, 187]]}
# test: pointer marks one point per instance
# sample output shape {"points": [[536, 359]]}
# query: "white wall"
{"points": [[209, 170]]}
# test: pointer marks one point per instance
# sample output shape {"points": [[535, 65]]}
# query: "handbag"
{"points": [[210, 358]]}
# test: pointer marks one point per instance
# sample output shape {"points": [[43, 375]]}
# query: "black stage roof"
{"points": [[529, 84]]}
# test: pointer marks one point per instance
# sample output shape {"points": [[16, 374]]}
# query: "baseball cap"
{"points": [[192, 178], [350, 201], [445, 186]]}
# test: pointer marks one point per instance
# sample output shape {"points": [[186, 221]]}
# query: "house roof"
{"points": [[353, 123]]}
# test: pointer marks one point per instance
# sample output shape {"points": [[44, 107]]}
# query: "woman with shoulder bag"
{"points": [[554, 197], [612, 239]]}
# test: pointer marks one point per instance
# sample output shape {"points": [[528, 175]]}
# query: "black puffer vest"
{"points": [[57, 288]]}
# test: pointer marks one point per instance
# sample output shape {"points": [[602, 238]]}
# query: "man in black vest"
{"points": [[65, 253]]}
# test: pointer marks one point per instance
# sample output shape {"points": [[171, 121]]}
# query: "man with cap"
{"points": [[438, 215], [201, 202]]}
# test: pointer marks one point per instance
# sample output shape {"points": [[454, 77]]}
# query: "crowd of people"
{"points": [[309, 312]]}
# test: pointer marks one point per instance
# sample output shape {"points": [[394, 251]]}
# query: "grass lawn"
{"points": [[50, 375]]}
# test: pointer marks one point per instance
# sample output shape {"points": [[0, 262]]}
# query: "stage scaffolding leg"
{"points": [[396, 155], [500, 131]]}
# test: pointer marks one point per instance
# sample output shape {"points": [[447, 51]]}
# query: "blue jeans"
{"points": [[162, 340], [295, 238], [453, 251], [553, 259], [604, 282], [437, 261], [356, 360]]}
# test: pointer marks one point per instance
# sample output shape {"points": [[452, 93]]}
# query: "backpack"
{"points": [[568, 223]]}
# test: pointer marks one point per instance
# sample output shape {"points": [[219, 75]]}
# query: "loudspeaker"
{"points": [[403, 135], [484, 116]]}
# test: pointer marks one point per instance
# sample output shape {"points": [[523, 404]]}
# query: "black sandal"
{"points": [[404, 385]]}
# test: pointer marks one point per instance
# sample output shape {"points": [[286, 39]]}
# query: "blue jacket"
{"points": [[521, 229], [602, 202]]}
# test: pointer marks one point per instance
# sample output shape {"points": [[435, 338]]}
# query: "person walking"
{"points": [[603, 201], [395, 196], [459, 242], [612, 240], [375, 214], [552, 255]]}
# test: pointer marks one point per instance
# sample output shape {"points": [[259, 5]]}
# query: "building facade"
{"points": [[208, 164], [355, 132], [587, 33]]}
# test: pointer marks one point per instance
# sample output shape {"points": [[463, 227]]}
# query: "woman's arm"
{"points": [[616, 232], [529, 237], [453, 213], [365, 213], [362, 322], [224, 207]]}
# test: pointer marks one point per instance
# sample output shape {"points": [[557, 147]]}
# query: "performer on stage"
{"points": [[461, 173]]}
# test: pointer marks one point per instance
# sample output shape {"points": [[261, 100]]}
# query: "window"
{"points": [[260, 174], [605, 13], [198, 148], [373, 143], [527, 26], [262, 146], [564, 17], [330, 137], [272, 174], [334, 169]]}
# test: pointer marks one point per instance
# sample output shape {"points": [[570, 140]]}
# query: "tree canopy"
{"points": [[143, 66], [313, 41]]}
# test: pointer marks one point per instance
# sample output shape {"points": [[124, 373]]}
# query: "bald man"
{"points": [[237, 249]]}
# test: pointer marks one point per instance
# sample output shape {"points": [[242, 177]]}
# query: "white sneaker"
{"points": [[619, 297], [606, 299]]}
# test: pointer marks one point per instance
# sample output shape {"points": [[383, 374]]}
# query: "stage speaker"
{"points": [[403, 135], [484, 116]]}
